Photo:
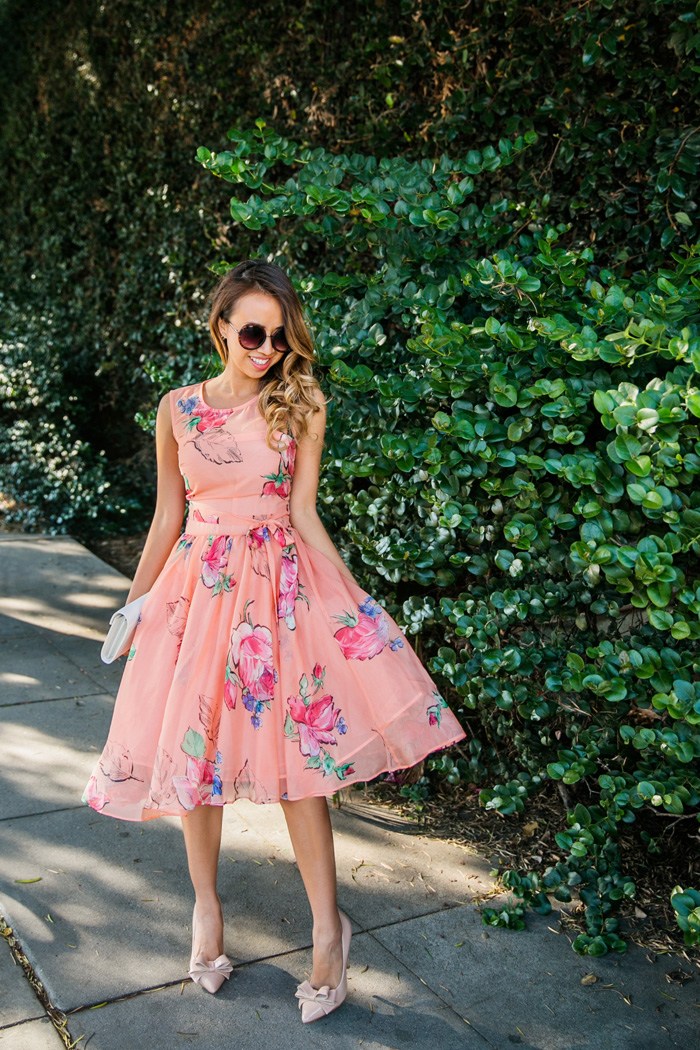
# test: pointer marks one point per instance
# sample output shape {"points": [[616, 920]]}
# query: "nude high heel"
{"points": [[318, 1002], [209, 973]]}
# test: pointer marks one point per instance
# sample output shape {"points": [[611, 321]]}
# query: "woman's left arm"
{"points": [[302, 500]]}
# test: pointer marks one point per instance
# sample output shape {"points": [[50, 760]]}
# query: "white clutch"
{"points": [[122, 626]]}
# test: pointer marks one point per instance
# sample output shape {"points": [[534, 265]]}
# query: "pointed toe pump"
{"points": [[318, 1002], [210, 973]]}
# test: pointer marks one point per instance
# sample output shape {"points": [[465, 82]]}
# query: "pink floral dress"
{"points": [[257, 669]]}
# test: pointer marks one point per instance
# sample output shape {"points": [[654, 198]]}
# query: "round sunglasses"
{"points": [[252, 336]]}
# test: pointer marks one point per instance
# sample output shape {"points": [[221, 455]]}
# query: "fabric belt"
{"points": [[206, 519], [265, 534]]}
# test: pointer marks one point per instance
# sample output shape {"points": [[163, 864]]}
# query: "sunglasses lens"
{"points": [[279, 341], [251, 336]]}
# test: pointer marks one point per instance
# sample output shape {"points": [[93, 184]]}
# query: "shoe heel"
{"points": [[209, 973], [315, 1003]]}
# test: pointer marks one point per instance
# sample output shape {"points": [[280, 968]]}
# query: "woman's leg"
{"points": [[311, 834], [202, 831]]}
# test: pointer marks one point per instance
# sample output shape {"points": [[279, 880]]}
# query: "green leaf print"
{"points": [[289, 726], [193, 744], [132, 653]]}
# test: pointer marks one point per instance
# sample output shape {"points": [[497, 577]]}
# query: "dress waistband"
{"points": [[205, 518]]}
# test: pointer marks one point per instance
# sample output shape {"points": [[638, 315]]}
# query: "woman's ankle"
{"points": [[207, 901]]}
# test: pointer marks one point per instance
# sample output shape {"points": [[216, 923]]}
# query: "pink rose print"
{"points": [[215, 558], [434, 712], [290, 590], [288, 457], [214, 443], [249, 668], [210, 518], [311, 723], [93, 797], [257, 538], [204, 418], [289, 586], [365, 635], [280, 484], [315, 723], [195, 787]]}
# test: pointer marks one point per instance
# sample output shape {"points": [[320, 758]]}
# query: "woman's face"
{"points": [[252, 308]]}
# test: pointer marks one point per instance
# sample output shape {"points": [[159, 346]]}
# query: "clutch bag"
{"points": [[122, 626]]}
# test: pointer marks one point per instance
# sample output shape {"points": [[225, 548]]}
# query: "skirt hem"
{"points": [[154, 814]]}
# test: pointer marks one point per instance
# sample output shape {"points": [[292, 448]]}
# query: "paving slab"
{"points": [[398, 871], [85, 654], [47, 751], [120, 902], [109, 918], [32, 1035], [95, 870], [33, 671], [525, 987], [55, 583], [387, 1007], [9, 625], [17, 999]]}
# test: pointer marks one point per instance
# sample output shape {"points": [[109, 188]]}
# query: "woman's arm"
{"points": [[170, 506], [302, 500]]}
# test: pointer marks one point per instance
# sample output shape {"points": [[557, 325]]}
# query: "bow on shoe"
{"points": [[323, 996], [221, 965]]}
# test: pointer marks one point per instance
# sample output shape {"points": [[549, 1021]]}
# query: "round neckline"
{"points": [[234, 408]]}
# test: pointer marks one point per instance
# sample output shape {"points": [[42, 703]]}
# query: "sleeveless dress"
{"points": [[257, 669]]}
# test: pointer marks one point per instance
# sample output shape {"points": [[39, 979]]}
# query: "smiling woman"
{"points": [[260, 669]]}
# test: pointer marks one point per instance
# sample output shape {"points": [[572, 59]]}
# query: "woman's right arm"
{"points": [[170, 506]]}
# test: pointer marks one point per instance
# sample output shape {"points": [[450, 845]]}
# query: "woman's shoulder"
{"points": [[179, 394], [189, 390]]}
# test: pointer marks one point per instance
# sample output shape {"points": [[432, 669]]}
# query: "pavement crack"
{"points": [[56, 1016]]}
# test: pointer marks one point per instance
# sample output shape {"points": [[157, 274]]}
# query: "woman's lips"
{"points": [[260, 367]]}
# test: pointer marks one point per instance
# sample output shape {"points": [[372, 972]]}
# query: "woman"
{"points": [[259, 669]]}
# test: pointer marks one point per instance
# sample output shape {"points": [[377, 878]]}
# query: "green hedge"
{"points": [[516, 449], [505, 310], [108, 227]]}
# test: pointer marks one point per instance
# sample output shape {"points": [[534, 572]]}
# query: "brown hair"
{"points": [[287, 398]]}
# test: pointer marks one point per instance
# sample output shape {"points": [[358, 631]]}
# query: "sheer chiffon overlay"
{"points": [[257, 669]]}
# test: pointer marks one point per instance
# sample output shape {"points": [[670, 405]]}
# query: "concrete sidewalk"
{"points": [[105, 919]]}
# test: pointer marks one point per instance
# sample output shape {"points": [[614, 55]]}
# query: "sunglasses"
{"points": [[252, 336]]}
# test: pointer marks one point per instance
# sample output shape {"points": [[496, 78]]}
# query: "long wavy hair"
{"points": [[286, 398]]}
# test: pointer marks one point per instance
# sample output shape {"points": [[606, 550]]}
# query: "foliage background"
{"points": [[513, 443]]}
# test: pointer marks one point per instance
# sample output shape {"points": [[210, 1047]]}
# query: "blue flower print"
{"points": [[217, 786], [370, 607], [187, 404], [341, 726], [255, 706]]}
